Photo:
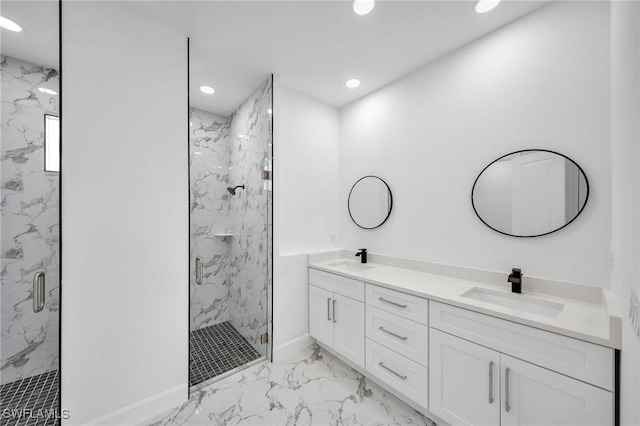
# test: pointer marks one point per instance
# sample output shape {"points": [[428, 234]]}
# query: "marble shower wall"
{"points": [[209, 169], [30, 222], [251, 140]]}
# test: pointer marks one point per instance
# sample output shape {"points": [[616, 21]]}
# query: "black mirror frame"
{"points": [[530, 150], [390, 202]]}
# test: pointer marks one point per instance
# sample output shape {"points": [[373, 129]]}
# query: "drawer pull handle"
{"points": [[334, 311], [491, 382], [392, 333], [507, 407], [382, 299], [391, 371], [328, 309]]}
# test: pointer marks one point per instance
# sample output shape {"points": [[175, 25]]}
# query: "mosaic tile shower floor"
{"points": [[217, 349], [32, 401], [309, 388]]}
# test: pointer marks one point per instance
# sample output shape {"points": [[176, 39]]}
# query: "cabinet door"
{"points": [[464, 381], [320, 315], [348, 329], [533, 395]]}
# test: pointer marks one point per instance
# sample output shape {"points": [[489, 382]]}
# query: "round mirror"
{"points": [[370, 202], [530, 193]]}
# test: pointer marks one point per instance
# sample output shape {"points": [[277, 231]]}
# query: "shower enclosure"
{"points": [[30, 252], [231, 238]]}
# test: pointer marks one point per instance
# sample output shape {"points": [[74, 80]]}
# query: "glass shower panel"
{"points": [[29, 228], [231, 239]]}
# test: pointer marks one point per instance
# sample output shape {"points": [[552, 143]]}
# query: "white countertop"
{"points": [[589, 313]]}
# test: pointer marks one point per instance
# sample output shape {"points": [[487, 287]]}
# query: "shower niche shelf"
{"points": [[223, 235]]}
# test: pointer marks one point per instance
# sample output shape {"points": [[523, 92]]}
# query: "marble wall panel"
{"points": [[29, 241], [209, 170]]}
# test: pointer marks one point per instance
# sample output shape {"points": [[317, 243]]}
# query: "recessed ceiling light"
{"points": [[208, 90], [483, 6], [10, 25], [352, 83], [47, 91], [362, 7]]}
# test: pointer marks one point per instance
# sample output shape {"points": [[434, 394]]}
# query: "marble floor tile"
{"points": [[309, 388]]}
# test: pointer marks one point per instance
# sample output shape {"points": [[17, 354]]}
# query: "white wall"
{"points": [[540, 82], [625, 209], [125, 216], [305, 206]]}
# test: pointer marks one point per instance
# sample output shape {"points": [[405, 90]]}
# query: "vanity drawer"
{"points": [[582, 360], [337, 283], [404, 336], [399, 303], [399, 373]]}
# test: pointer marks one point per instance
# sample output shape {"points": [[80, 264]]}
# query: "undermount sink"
{"points": [[352, 266], [521, 302]]}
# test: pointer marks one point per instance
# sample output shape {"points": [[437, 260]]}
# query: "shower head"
{"points": [[232, 191]]}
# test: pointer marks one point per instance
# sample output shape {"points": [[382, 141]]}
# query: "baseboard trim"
{"points": [[292, 347], [145, 409]]}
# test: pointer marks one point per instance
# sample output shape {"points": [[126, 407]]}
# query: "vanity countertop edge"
{"points": [[590, 313]]}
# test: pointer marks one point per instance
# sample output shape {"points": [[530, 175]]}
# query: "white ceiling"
{"points": [[38, 42], [312, 46]]}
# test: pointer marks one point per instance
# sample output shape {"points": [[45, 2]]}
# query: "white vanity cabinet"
{"points": [[457, 365], [474, 385], [336, 314]]}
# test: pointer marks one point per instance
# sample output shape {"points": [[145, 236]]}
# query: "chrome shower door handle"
{"points": [[38, 291], [198, 271]]}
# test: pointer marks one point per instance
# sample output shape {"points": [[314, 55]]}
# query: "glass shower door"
{"points": [[230, 233], [29, 227]]}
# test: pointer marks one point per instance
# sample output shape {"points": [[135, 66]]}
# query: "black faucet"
{"points": [[363, 255], [515, 278]]}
